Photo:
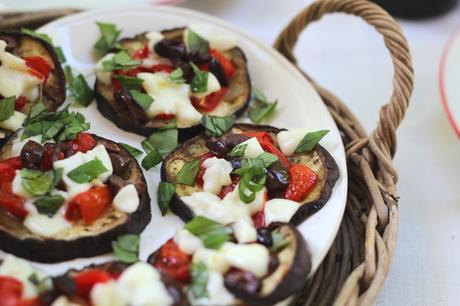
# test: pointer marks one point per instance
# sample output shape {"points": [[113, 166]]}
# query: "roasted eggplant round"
{"points": [[82, 239], [118, 105], [277, 177]]}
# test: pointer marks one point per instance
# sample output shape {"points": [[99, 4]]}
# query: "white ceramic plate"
{"points": [[449, 76], [300, 106]]}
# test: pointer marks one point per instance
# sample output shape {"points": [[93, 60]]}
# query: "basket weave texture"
{"points": [[359, 260]]}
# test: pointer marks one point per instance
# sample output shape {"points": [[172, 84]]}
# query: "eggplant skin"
{"points": [[119, 108], [48, 250], [311, 205]]}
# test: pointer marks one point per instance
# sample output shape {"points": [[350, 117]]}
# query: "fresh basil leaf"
{"points": [[217, 126], [37, 109], [49, 204], [152, 159], [199, 283], [128, 82], [57, 177], [268, 158], [36, 182], [250, 183], [126, 248], [188, 172], [42, 285], [165, 194], [238, 151], [132, 150], [7, 107], [109, 35], [36, 34], [261, 112], [144, 100], [120, 61], [60, 54], [212, 233], [164, 141], [177, 76], [87, 171], [81, 91], [259, 95], [172, 124], [279, 242], [197, 45], [200, 80], [252, 163], [68, 74], [310, 140]]}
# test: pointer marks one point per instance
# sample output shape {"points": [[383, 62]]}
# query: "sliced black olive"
{"points": [[64, 284], [120, 163], [241, 281], [216, 68], [116, 183], [277, 180], [232, 140], [187, 70], [62, 148], [31, 155], [264, 237], [223, 145], [171, 49]]}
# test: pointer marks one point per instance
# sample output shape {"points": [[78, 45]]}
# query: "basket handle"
{"points": [[382, 140]]}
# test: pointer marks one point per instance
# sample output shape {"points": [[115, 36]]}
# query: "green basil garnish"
{"points": [[217, 126], [197, 45], [261, 109], [165, 194], [177, 76], [60, 54], [199, 283], [36, 110], [80, 90], [152, 159], [144, 100], [120, 61], [212, 233], [126, 248], [251, 182], [129, 82], [268, 158], [7, 107], [188, 172], [164, 141], [49, 204], [132, 150], [238, 151], [109, 35], [37, 182], [88, 171], [200, 80], [310, 140]]}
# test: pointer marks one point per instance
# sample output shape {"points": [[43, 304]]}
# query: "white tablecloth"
{"points": [[349, 58]]}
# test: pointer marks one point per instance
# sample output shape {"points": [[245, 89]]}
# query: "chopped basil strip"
{"points": [[217, 126], [126, 248], [310, 140], [165, 194], [49, 204], [199, 283], [152, 159], [37, 109], [197, 45], [144, 100], [279, 242], [60, 54], [122, 61], [132, 150], [68, 74], [177, 76], [57, 177], [268, 158], [262, 109], [37, 182], [128, 82], [238, 151], [164, 141], [212, 233], [251, 182], [200, 80], [88, 171], [188, 172], [109, 35], [172, 124], [41, 284], [80, 90], [7, 107], [48, 39]]}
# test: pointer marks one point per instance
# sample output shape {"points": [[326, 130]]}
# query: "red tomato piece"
{"points": [[72, 212], [116, 84], [7, 173], [173, 262], [210, 102], [14, 204], [93, 202], [131, 72], [199, 176], [14, 162], [303, 181], [227, 64], [31, 302], [269, 147], [158, 68], [229, 188], [165, 116], [39, 66], [261, 136], [10, 291], [21, 101], [86, 280], [141, 53], [83, 142], [259, 219]]}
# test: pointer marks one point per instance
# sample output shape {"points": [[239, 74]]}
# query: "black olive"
{"points": [[116, 183], [64, 148], [264, 237], [11, 43], [232, 140], [199, 57], [171, 49], [277, 180], [64, 285], [216, 68], [241, 281], [120, 163], [217, 146], [31, 155], [187, 71]]}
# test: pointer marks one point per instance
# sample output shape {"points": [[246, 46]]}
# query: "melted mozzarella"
{"points": [[153, 38], [253, 148], [213, 259], [244, 231], [46, 226], [208, 205], [217, 174], [218, 295], [169, 98], [103, 75], [187, 242], [64, 301], [127, 199], [216, 40], [212, 85], [252, 257], [288, 141], [280, 210], [108, 294], [13, 123]]}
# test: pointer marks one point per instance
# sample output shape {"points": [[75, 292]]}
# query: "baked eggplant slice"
{"points": [[50, 214], [278, 174], [39, 77], [126, 283], [161, 54]]}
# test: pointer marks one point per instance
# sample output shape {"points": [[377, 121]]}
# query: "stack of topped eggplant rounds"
{"points": [[240, 188]]}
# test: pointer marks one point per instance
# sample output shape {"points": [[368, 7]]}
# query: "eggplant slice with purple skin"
{"points": [[120, 108], [82, 240], [64, 285], [319, 160]]}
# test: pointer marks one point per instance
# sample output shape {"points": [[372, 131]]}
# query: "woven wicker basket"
{"points": [[358, 262]]}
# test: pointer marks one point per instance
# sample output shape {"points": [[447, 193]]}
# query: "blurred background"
{"points": [[349, 58]]}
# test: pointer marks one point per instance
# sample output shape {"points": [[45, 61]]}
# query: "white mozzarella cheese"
{"points": [[218, 295], [208, 205], [249, 257], [280, 210], [214, 260], [212, 85], [244, 231], [216, 40], [288, 141], [64, 301], [18, 188], [103, 75], [233, 198], [108, 294], [46, 226], [13, 123], [187, 242], [253, 148], [169, 98], [127, 199], [217, 174], [153, 38], [17, 144]]}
